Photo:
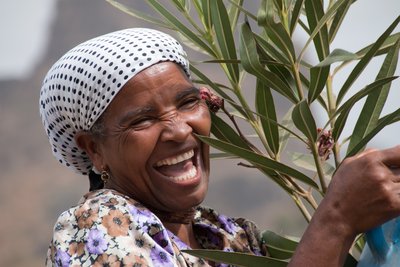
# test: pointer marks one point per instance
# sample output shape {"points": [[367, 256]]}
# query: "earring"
{"points": [[105, 176]]}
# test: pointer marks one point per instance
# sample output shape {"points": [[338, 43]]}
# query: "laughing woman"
{"points": [[121, 108]]}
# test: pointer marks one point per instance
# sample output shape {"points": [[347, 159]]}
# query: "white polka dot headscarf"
{"points": [[81, 84]]}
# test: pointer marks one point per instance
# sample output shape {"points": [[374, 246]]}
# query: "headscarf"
{"points": [[82, 83]]}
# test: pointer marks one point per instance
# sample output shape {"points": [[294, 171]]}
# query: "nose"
{"points": [[176, 128]]}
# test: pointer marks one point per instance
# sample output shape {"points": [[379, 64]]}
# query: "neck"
{"points": [[184, 232], [183, 217], [180, 224]]}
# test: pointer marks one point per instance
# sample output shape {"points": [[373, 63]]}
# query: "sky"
{"points": [[25, 25]]}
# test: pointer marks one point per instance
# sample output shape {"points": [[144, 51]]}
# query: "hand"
{"points": [[365, 190], [364, 193]]}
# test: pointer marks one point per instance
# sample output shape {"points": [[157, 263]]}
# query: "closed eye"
{"points": [[142, 123]]}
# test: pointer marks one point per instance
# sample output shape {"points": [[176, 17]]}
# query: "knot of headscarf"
{"points": [[82, 83]]}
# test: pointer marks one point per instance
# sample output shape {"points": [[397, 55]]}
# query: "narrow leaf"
{"points": [[389, 42], [251, 63], [205, 4], [338, 19], [304, 120], [224, 36], [307, 162], [318, 77], [344, 110], [373, 106], [137, 14], [314, 12], [365, 60], [279, 241], [258, 160], [295, 15], [266, 107], [337, 55], [224, 132], [283, 134], [236, 258], [234, 12], [389, 119], [322, 23], [179, 26]]}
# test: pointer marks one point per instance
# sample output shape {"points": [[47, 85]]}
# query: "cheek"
{"points": [[201, 121]]}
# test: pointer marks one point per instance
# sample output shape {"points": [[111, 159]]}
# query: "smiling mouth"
{"points": [[178, 168]]}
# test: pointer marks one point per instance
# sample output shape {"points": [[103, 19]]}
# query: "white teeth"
{"points": [[175, 160], [190, 174]]}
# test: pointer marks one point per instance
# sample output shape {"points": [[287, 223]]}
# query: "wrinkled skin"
{"points": [[364, 193]]}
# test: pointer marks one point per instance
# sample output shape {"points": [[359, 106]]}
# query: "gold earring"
{"points": [[105, 176]]}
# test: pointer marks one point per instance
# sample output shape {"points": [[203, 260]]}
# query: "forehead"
{"points": [[159, 83]]}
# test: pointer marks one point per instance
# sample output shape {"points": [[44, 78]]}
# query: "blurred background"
{"points": [[35, 188]]}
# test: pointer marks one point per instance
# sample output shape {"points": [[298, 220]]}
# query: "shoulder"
{"points": [[105, 226]]}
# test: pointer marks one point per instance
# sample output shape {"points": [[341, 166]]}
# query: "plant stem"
{"points": [[302, 207], [331, 111], [318, 164], [295, 69]]}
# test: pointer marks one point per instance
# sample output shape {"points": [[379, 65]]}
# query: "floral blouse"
{"points": [[109, 229]]}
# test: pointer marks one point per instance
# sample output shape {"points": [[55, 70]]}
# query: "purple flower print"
{"points": [[96, 243], [62, 258], [226, 224], [160, 257]]}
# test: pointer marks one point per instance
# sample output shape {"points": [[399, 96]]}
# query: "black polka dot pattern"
{"points": [[82, 83]]}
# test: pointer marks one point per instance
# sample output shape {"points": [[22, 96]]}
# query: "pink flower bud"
{"points": [[213, 101], [325, 143]]}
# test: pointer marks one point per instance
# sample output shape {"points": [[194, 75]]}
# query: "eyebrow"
{"points": [[189, 91], [135, 113]]}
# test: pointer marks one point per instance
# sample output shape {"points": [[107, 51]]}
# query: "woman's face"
{"points": [[149, 147]]}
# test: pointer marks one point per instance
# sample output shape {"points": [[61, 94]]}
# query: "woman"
{"points": [[122, 109]]}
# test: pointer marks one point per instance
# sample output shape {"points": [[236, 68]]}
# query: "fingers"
{"points": [[391, 156]]}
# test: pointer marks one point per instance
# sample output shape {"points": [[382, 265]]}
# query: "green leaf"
{"points": [[318, 77], [375, 102], [205, 4], [283, 134], [223, 33], [314, 13], [236, 258], [234, 12], [279, 241], [266, 107], [179, 26], [337, 55], [338, 19], [137, 14], [270, 49], [344, 110], [389, 42], [387, 120], [365, 60], [307, 162], [251, 63], [295, 15], [304, 120], [224, 132], [322, 23], [222, 156], [257, 159], [275, 29]]}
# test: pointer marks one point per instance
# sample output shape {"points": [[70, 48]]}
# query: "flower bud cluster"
{"points": [[213, 101]]}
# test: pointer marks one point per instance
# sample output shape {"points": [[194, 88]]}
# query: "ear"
{"points": [[87, 142]]}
